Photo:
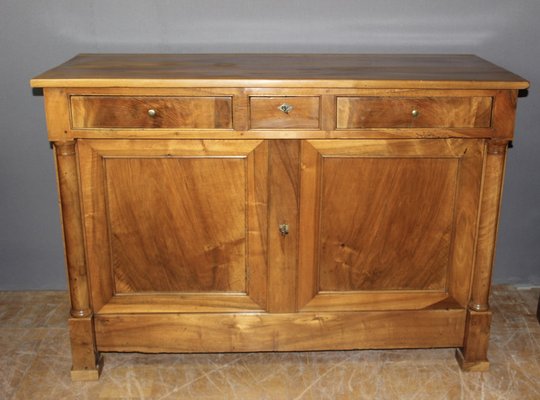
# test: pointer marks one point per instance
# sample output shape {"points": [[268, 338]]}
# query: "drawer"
{"points": [[284, 112], [413, 112], [151, 112]]}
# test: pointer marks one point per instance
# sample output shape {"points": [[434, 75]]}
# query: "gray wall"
{"points": [[36, 35]]}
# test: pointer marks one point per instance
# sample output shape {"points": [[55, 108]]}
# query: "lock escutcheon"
{"points": [[286, 108]]}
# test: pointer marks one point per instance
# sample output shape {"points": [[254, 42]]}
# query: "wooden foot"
{"points": [[473, 355], [471, 366], [88, 374], [86, 361]]}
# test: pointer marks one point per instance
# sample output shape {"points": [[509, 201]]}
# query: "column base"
{"points": [[86, 361], [78, 375], [471, 366]]}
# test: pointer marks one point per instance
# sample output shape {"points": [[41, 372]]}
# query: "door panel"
{"points": [[177, 224], [391, 220], [184, 222], [386, 223]]}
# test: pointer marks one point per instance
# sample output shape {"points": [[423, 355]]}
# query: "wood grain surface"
{"points": [[156, 333], [198, 216], [133, 112], [177, 224], [280, 70], [387, 216], [284, 181], [429, 112], [386, 223], [265, 113], [175, 217]]}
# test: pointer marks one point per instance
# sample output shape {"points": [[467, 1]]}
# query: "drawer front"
{"points": [[409, 112], [284, 112], [151, 112]]}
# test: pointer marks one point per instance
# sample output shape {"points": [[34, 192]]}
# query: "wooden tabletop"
{"points": [[396, 71]]}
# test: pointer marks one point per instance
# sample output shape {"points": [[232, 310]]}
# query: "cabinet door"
{"points": [[387, 224], [175, 226]]}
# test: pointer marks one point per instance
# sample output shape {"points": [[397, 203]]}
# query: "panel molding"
{"points": [[469, 156], [92, 158]]}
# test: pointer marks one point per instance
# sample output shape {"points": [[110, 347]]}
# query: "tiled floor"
{"points": [[35, 363]]}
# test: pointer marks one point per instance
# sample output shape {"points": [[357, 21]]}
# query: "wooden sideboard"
{"points": [[238, 203]]}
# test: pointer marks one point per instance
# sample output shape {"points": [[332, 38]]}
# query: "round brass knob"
{"points": [[152, 112], [415, 113]]}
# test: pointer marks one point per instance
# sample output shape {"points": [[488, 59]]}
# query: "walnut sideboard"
{"points": [[278, 202]]}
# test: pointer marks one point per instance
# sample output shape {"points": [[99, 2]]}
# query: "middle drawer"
{"points": [[284, 112]]}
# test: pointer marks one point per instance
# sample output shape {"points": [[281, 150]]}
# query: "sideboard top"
{"points": [[396, 71]]}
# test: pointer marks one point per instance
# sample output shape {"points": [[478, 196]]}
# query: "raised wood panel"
{"points": [[177, 224], [265, 113], [386, 216], [133, 112], [413, 112], [280, 332], [386, 223], [177, 219]]}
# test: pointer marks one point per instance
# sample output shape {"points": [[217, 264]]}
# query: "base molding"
{"points": [[251, 332]]}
